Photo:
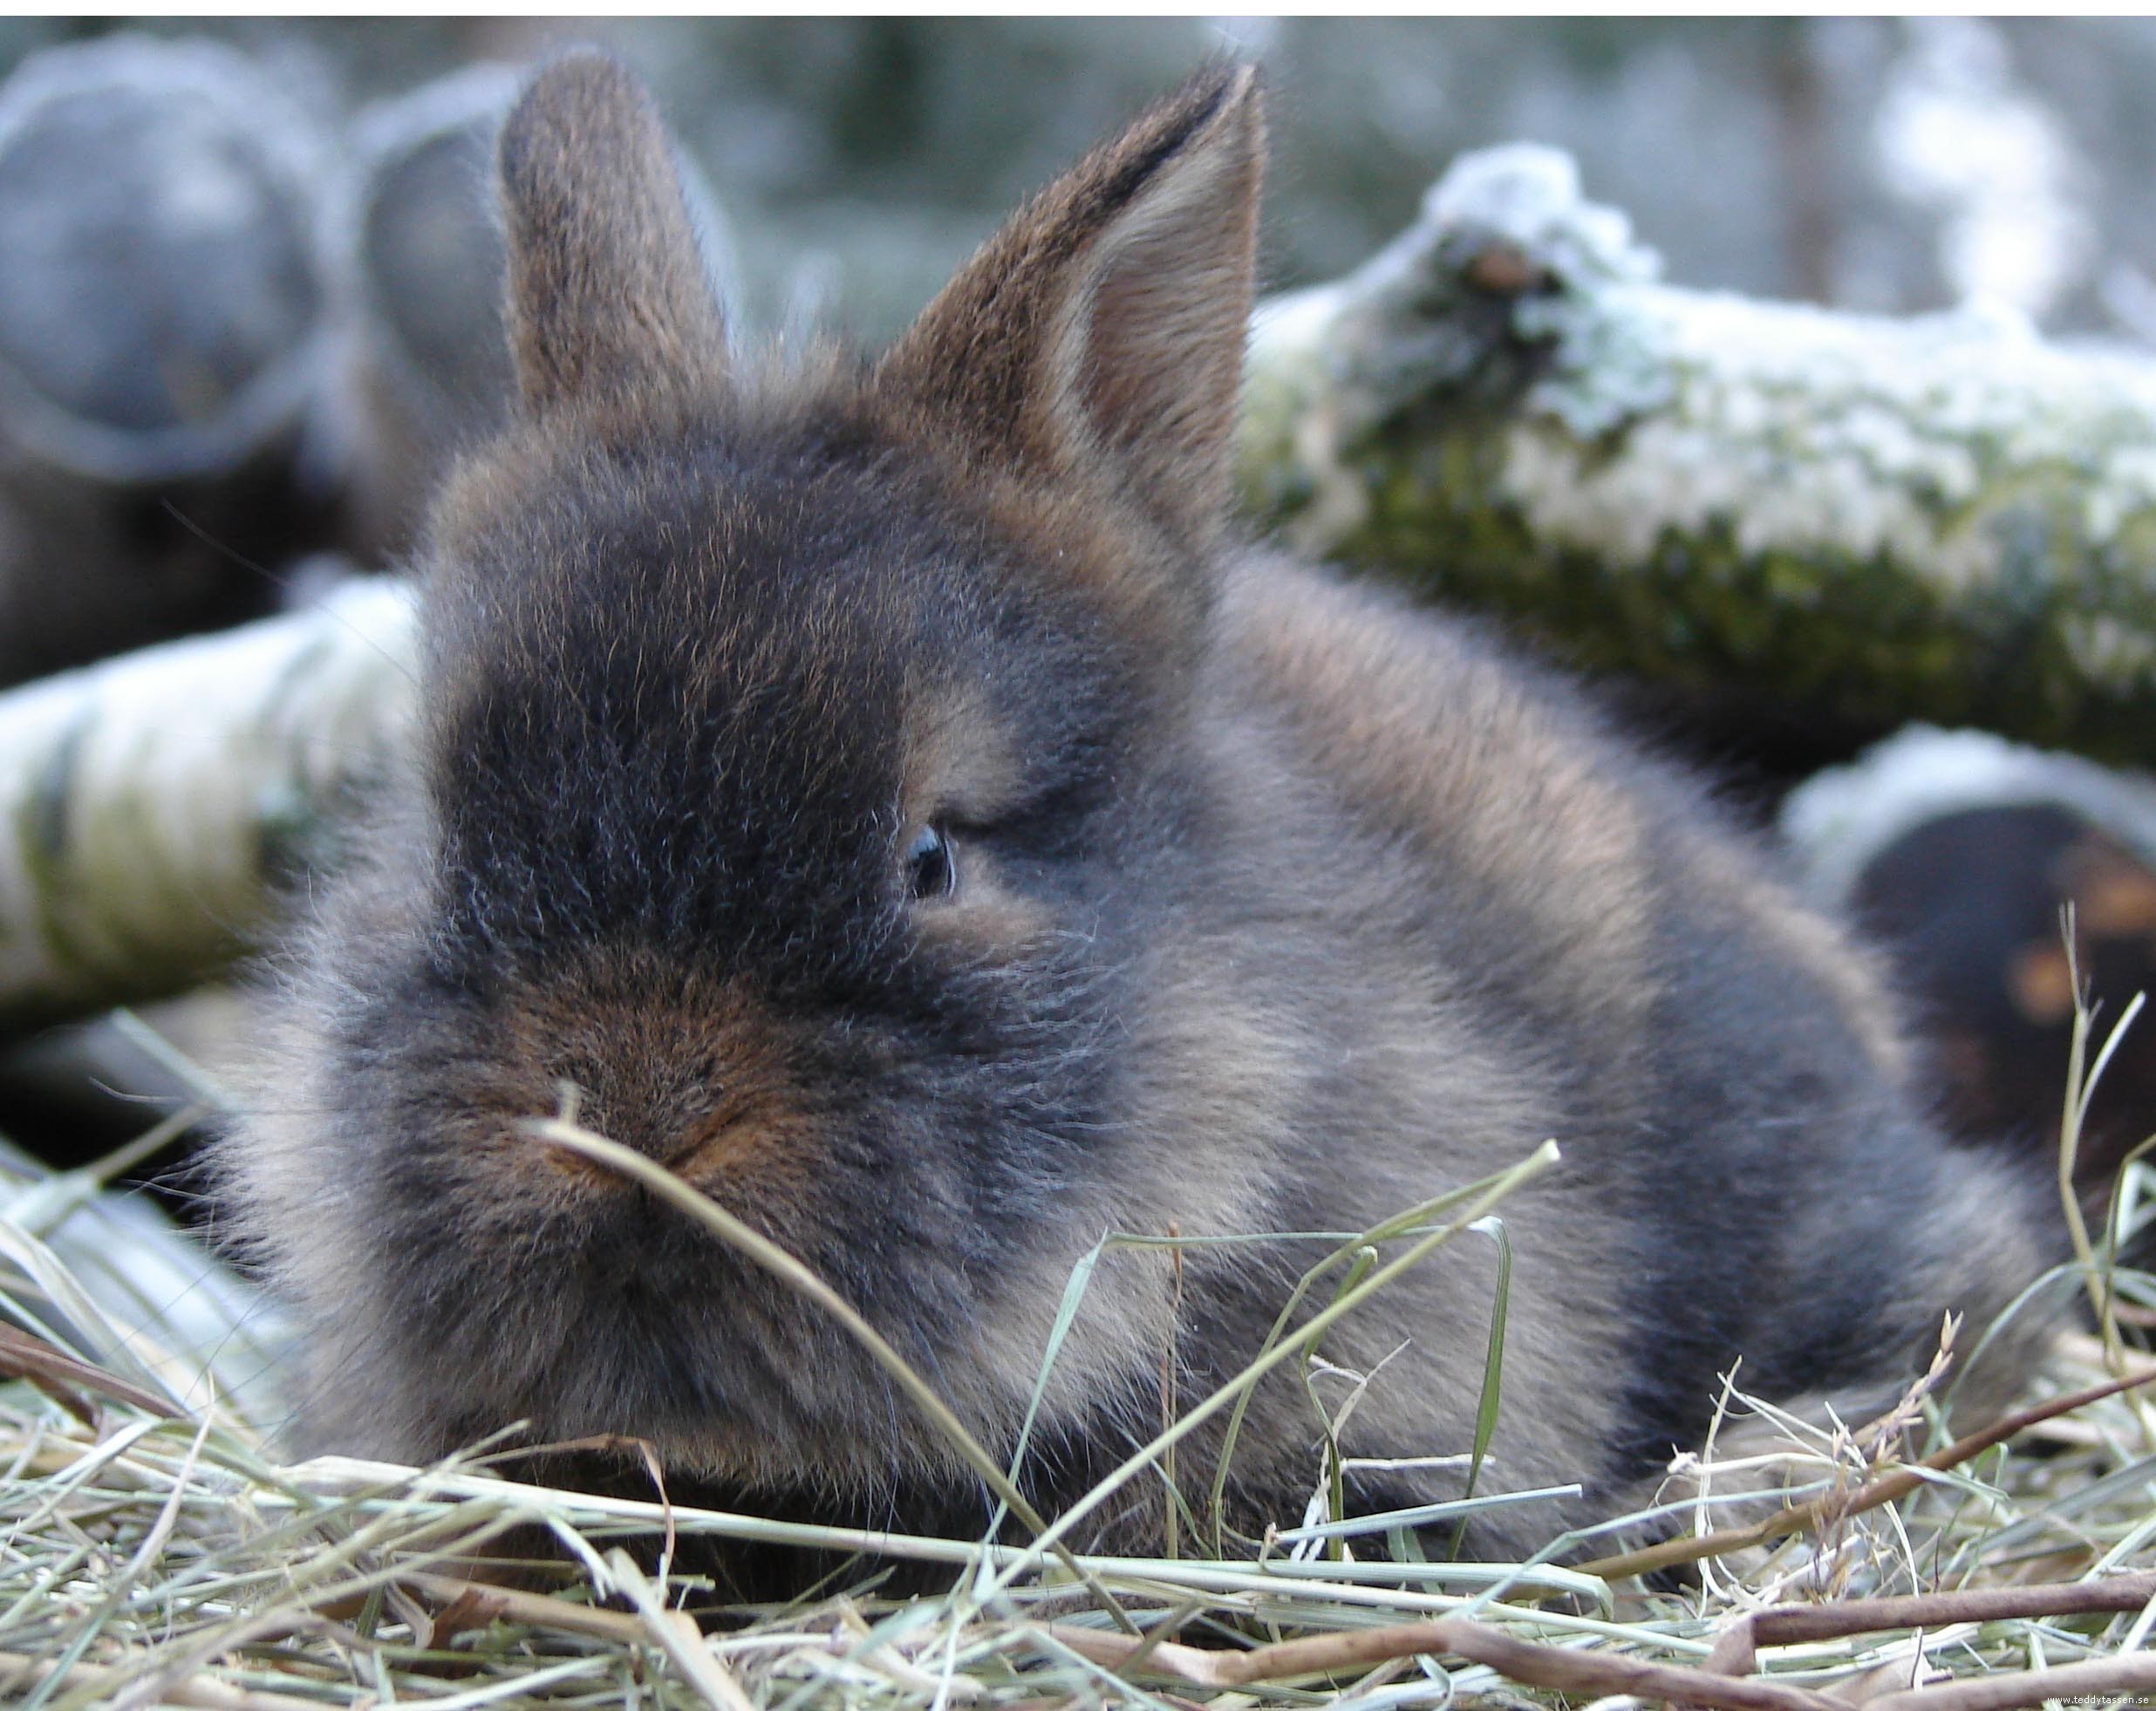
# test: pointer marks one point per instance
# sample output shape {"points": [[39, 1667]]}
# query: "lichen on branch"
{"points": [[1942, 517]]}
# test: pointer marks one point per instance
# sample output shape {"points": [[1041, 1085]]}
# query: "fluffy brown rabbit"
{"points": [[892, 798]]}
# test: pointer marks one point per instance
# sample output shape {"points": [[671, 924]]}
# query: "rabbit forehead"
{"points": [[822, 579], [676, 683]]}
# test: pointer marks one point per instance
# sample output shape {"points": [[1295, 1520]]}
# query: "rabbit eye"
{"points": [[931, 865]]}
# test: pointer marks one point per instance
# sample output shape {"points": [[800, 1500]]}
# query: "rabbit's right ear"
{"points": [[1103, 326], [609, 302]]}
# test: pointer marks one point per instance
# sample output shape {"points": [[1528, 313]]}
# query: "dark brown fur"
{"points": [[1281, 907]]}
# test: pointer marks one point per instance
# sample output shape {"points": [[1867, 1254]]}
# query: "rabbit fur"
{"points": [[890, 795]]}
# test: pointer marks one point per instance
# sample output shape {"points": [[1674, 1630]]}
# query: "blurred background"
{"points": [[193, 236], [1875, 164]]}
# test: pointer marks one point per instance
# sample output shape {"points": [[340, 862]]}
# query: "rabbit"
{"points": [[890, 796]]}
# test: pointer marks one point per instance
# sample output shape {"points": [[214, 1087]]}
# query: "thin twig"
{"points": [[24, 1356], [1736, 1647], [1562, 1668], [2084, 1682], [1579, 1671], [1797, 1623], [1556, 1666], [1838, 1506]]}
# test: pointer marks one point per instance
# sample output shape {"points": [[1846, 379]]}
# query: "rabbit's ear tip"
{"points": [[578, 68], [1234, 88], [608, 296], [1105, 323]]}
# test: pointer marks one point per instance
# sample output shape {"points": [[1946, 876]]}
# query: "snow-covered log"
{"points": [[152, 808], [1942, 518]]}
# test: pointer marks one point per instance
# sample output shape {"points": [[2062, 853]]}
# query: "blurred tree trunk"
{"points": [[164, 324]]}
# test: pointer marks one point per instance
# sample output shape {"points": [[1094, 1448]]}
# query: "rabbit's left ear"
{"points": [[609, 302], [1105, 323]]}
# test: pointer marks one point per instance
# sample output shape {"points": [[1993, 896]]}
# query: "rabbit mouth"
{"points": [[719, 1149], [708, 1154], [752, 1159]]}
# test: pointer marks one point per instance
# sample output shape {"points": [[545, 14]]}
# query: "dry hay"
{"points": [[155, 1550]]}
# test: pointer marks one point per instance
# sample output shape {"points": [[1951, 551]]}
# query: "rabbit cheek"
{"points": [[990, 922]]}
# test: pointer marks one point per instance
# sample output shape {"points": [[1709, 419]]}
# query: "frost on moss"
{"points": [[1942, 517]]}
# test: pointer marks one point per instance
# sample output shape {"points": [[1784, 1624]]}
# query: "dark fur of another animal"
{"points": [[1280, 906]]}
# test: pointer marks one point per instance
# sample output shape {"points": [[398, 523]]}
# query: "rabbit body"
{"points": [[887, 796]]}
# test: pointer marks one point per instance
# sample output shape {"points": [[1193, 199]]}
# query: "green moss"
{"points": [[1867, 639]]}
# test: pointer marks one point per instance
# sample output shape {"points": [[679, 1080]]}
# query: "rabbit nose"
{"points": [[668, 1117], [697, 1077]]}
